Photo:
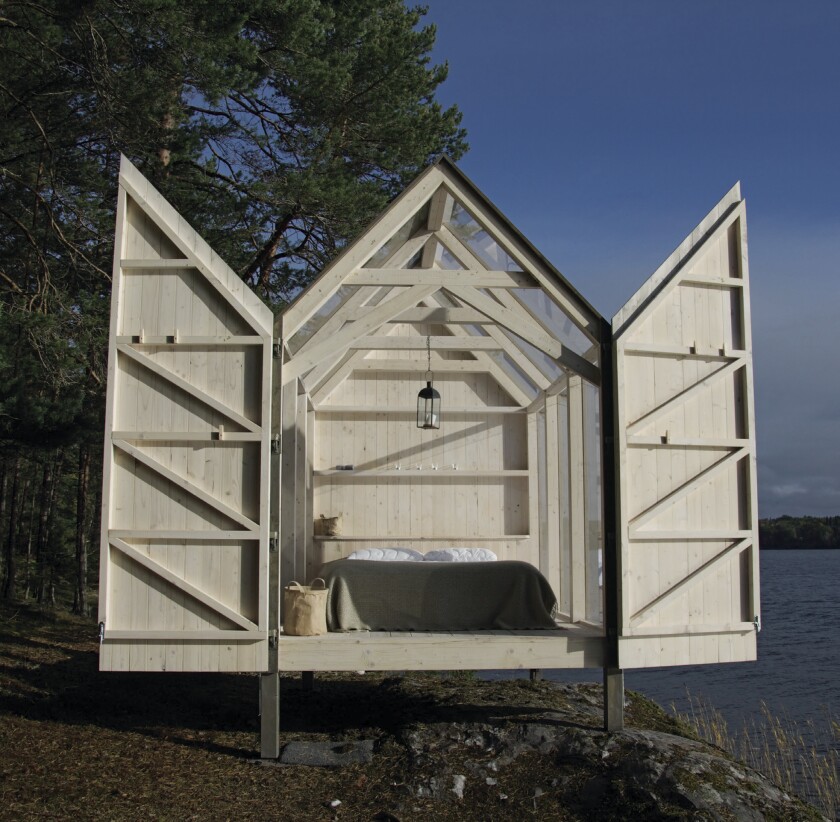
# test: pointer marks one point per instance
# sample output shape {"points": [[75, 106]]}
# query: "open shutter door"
{"points": [[183, 563], [686, 460]]}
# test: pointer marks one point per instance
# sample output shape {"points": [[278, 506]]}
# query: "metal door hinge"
{"points": [[272, 639], [273, 542], [101, 632], [275, 444], [277, 350], [757, 623]]}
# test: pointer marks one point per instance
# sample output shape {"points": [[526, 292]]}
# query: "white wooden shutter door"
{"points": [[686, 460], [183, 563]]}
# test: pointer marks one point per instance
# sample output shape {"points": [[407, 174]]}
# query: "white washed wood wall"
{"points": [[689, 582], [463, 484], [185, 496]]}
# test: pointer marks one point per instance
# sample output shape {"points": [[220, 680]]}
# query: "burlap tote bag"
{"points": [[305, 608]]}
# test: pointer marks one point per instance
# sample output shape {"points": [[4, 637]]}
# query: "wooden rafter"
{"points": [[507, 318], [331, 372], [521, 358], [520, 326], [300, 364], [418, 343], [580, 315], [358, 253], [478, 278], [347, 311], [520, 389]]}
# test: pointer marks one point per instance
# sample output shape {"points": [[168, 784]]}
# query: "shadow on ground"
{"points": [[54, 677]]}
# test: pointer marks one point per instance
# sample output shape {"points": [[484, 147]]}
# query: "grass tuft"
{"points": [[800, 758]]}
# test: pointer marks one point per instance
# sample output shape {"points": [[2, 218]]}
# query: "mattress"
{"points": [[437, 596]]}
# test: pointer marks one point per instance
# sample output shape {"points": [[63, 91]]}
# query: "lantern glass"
{"points": [[428, 407]]}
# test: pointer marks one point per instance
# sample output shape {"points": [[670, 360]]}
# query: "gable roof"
{"points": [[442, 253]]}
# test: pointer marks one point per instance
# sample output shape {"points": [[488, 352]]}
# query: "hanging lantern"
{"points": [[428, 400]]}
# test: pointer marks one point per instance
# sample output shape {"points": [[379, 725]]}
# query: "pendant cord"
{"points": [[428, 357]]}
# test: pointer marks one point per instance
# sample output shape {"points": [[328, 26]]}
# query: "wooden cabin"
{"points": [[617, 459]]}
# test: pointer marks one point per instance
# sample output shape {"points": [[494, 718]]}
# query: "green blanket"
{"points": [[437, 596]]}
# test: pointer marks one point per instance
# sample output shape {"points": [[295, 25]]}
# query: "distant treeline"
{"points": [[799, 532]]}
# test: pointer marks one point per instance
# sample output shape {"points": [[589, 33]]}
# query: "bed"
{"points": [[437, 596]]}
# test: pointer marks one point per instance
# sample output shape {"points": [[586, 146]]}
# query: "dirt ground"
{"points": [[76, 743]]}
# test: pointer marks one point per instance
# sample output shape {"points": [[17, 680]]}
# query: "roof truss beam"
{"points": [[358, 253], [519, 388], [528, 364], [300, 364], [519, 325], [418, 343], [441, 316], [578, 314], [479, 278]]}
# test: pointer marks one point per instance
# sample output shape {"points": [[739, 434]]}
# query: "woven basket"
{"points": [[305, 608], [328, 526]]}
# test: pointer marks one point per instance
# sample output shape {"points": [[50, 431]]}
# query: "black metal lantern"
{"points": [[428, 399]]}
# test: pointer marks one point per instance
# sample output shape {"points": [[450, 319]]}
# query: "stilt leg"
{"points": [[535, 674], [270, 716], [613, 699]]}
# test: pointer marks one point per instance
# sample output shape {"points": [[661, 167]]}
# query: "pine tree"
{"points": [[280, 127]]}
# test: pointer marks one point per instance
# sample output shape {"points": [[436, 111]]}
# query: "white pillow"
{"points": [[388, 554], [461, 555]]}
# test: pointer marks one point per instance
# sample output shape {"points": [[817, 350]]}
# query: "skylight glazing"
{"points": [[464, 226], [317, 320], [417, 222], [554, 318]]}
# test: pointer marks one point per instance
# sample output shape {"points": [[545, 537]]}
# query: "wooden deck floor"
{"points": [[569, 646]]}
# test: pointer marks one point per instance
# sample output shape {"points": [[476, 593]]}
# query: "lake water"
{"points": [[797, 674], [798, 669]]}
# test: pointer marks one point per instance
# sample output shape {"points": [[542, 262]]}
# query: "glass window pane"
{"points": [[407, 230], [317, 320], [554, 318], [474, 237]]}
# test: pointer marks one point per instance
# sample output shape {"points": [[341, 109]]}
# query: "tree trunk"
{"points": [[80, 598], [41, 539], [11, 568], [27, 568], [3, 478], [44, 556]]}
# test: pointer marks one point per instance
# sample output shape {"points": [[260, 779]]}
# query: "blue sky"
{"points": [[605, 130]]}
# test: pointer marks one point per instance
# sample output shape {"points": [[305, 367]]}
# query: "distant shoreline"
{"points": [[787, 533]]}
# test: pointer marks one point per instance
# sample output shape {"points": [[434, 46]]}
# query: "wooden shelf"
{"points": [[184, 341], [410, 412], [425, 473], [398, 539]]}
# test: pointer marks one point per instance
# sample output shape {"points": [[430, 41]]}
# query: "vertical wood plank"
{"points": [[577, 502], [552, 449]]}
